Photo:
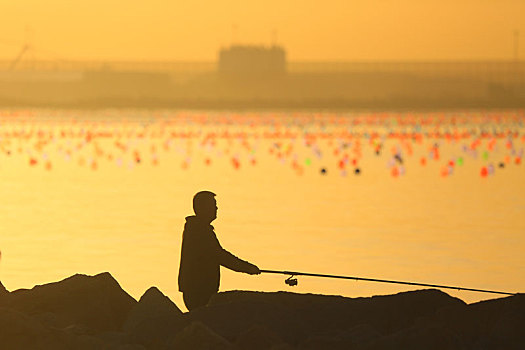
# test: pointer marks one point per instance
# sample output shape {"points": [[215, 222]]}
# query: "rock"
{"points": [[3, 291], [97, 302], [297, 317], [497, 323], [426, 335], [4, 294], [258, 338], [153, 304], [131, 347], [93, 312], [153, 320], [320, 342], [362, 334], [198, 337], [353, 338], [492, 324], [19, 331], [232, 313]]}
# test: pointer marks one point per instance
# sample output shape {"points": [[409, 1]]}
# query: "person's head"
{"points": [[205, 205]]}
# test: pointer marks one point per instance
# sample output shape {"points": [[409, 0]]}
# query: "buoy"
{"points": [[394, 172]]}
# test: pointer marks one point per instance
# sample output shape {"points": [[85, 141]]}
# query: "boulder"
{"points": [[496, 323], [297, 317], [97, 302], [153, 304], [353, 338], [153, 320], [93, 312], [197, 336], [4, 294], [3, 291], [19, 331], [233, 313], [259, 338], [426, 334]]}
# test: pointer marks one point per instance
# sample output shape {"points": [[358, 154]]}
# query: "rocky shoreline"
{"points": [[94, 312]]}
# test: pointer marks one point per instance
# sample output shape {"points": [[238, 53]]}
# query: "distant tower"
{"points": [[245, 61]]}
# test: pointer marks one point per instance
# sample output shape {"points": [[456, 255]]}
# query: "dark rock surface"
{"points": [[3, 294], [198, 336], [97, 302], [154, 319], [153, 304], [259, 338], [294, 317], [94, 312], [3, 291]]}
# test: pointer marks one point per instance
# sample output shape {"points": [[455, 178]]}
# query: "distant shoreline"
{"points": [[262, 104]]}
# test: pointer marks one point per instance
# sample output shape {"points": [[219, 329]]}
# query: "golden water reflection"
{"points": [[127, 217]]}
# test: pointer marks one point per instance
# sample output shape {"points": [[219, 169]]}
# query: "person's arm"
{"points": [[232, 262]]}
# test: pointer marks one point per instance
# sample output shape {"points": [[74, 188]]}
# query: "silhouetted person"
{"points": [[202, 254]]}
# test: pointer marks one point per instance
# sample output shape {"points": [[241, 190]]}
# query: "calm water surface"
{"points": [[87, 192]]}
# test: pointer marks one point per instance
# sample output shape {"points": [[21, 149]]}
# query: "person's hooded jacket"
{"points": [[201, 258]]}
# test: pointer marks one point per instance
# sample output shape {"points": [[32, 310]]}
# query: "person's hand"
{"points": [[253, 270]]}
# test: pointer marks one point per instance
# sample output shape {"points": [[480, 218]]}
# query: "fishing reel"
{"points": [[291, 281]]}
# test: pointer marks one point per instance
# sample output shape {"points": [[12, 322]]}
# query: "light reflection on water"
{"points": [[126, 217]]}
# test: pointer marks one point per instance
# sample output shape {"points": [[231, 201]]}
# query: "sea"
{"points": [[421, 196]]}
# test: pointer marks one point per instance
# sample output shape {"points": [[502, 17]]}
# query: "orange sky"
{"points": [[310, 30]]}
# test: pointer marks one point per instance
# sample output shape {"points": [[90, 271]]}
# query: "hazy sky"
{"points": [[309, 30]]}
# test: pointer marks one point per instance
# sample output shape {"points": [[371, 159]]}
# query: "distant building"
{"points": [[252, 61]]}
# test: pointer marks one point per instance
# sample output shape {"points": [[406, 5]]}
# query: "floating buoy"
{"points": [[236, 163], [394, 172]]}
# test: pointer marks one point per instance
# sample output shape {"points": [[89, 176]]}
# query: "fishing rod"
{"points": [[291, 281]]}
